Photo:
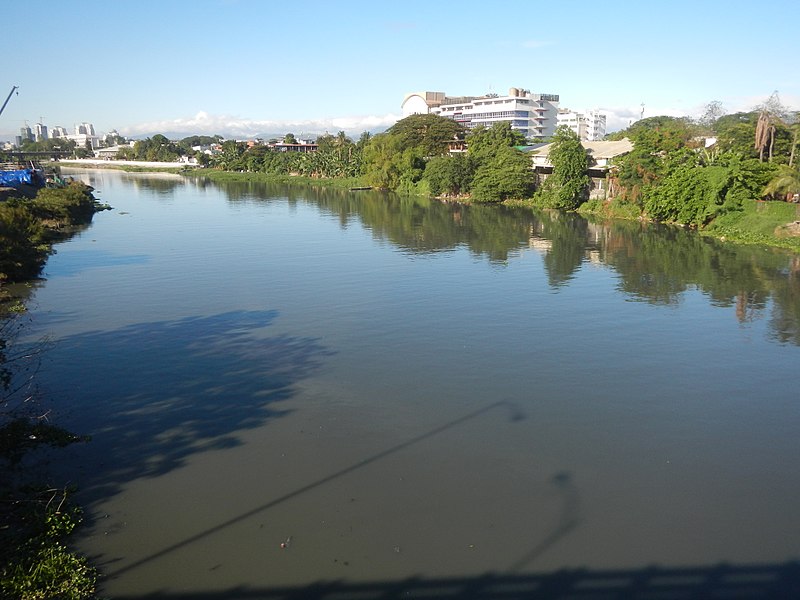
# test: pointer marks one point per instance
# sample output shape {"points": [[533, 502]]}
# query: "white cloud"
{"points": [[204, 123], [535, 44]]}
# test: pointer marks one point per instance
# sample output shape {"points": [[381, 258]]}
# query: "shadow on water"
{"points": [[152, 394], [514, 414], [774, 581]]}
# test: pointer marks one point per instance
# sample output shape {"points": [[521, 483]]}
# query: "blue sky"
{"points": [[205, 66]]}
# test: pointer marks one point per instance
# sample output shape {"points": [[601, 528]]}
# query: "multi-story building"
{"points": [[589, 125], [25, 134], [59, 132], [84, 136], [84, 129], [533, 115], [41, 132]]}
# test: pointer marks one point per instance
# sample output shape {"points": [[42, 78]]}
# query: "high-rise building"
{"points": [[84, 129], [41, 132], [533, 115], [25, 134]]}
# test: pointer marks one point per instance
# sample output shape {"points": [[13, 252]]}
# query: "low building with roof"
{"points": [[601, 155]]}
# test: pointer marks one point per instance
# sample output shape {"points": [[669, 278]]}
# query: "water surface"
{"points": [[396, 388]]}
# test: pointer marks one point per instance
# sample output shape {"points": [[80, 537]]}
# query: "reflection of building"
{"points": [[588, 126], [601, 155], [533, 115]]}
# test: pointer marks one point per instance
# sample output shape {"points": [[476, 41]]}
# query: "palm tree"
{"points": [[785, 183], [765, 135]]}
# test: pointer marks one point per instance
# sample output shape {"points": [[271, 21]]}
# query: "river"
{"points": [[294, 387]]}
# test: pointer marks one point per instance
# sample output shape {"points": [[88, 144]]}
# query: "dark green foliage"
{"points": [[72, 204], [483, 141], [566, 188], [158, 148], [501, 171], [188, 143], [504, 175], [23, 247], [660, 134], [22, 252], [430, 134], [450, 175], [389, 164], [693, 195]]}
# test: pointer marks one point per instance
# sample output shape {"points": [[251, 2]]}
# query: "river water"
{"points": [[287, 387]]}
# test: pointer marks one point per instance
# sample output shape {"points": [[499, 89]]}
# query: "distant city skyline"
{"points": [[246, 67]]}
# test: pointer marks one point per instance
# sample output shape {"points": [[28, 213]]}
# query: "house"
{"points": [[111, 152], [601, 155]]}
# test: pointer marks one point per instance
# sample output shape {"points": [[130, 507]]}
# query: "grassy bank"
{"points": [[761, 223]]}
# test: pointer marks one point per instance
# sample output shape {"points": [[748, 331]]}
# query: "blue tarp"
{"points": [[17, 177]]}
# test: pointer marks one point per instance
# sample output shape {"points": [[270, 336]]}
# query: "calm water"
{"points": [[397, 388]]}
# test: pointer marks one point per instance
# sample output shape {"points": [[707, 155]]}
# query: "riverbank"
{"points": [[758, 223], [134, 166]]}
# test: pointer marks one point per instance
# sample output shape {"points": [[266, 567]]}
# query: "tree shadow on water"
{"points": [[152, 394]]}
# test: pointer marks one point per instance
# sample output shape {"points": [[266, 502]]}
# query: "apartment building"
{"points": [[588, 125], [533, 115]]}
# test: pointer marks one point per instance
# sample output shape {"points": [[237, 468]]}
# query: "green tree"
{"points": [[22, 252], [484, 141], [502, 171], [566, 188], [693, 195], [784, 184], [505, 174], [289, 139], [390, 164], [450, 175], [430, 133]]}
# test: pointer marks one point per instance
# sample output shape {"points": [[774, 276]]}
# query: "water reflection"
{"points": [[655, 264]]}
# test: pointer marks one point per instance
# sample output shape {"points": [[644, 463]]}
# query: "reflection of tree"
{"points": [[655, 263], [415, 224], [785, 320], [568, 235]]}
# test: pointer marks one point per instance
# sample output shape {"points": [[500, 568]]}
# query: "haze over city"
{"points": [[245, 67]]}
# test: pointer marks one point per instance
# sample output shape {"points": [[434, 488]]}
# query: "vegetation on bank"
{"points": [[671, 176], [36, 517], [29, 226]]}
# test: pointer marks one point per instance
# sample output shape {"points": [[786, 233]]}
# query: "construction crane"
{"points": [[13, 89]]}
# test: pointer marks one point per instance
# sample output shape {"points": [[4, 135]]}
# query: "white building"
{"points": [[589, 125], [41, 132], [84, 133], [84, 129], [533, 115]]}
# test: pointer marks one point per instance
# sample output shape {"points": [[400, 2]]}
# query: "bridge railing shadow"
{"points": [[774, 581]]}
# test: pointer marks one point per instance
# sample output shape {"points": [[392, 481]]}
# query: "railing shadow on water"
{"points": [[771, 581], [566, 521]]}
